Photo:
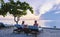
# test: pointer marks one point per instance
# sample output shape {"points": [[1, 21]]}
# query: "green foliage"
{"points": [[15, 8], [19, 8], [2, 9]]}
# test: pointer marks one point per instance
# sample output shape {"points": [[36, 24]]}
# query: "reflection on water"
{"points": [[43, 23]]}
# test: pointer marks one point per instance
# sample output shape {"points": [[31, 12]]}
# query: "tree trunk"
{"points": [[16, 19]]}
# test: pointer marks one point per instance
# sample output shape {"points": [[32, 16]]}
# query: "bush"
{"points": [[2, 25]]}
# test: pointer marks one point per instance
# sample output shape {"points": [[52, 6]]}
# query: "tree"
{"points": [[17, 9], [3, 10]]}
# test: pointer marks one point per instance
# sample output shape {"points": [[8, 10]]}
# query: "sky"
{"points": [[43, 10], [40, 6]]}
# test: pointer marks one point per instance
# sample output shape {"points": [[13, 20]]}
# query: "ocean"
{"points": [[42, 23]]}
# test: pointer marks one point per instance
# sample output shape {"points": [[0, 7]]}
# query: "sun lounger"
{"points": [[33, 29], [28, 29], [18, 28]]}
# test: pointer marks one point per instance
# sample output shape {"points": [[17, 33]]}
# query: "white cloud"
{"points": [[57, 1], [45, 7], [48, 5]]}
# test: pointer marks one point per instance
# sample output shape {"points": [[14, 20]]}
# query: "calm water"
{"points": [[43, 23]]}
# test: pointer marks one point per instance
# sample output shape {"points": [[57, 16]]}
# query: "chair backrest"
{"points": [[33, 27], [18, 26]]}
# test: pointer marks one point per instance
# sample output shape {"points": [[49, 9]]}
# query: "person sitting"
{"points": [[22, 24], [34, 27], [35, 23], [25, 28]]}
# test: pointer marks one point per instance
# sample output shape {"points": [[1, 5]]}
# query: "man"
{"points": [[34, 27], [35, 23]]}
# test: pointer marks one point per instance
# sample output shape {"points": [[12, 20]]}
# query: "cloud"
{"points": [[52, 14], [6, 1], [45, 6]]}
